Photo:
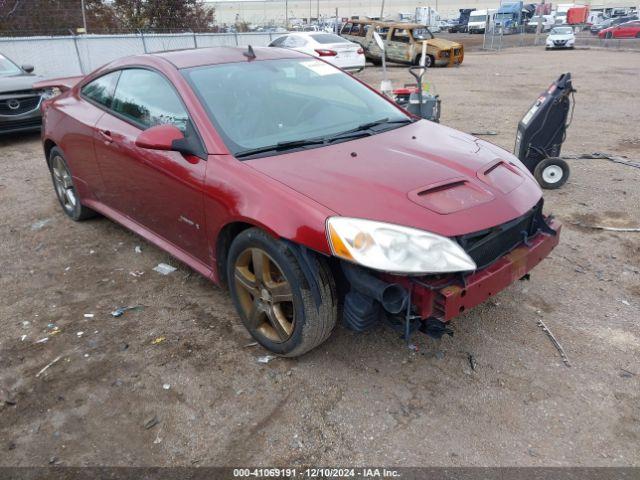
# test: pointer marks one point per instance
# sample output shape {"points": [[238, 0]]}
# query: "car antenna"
{"points": [[250, 54]]}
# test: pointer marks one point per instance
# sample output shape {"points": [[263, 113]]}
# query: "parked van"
{"points": [[547, 21], [403, 43], [478, 20]]}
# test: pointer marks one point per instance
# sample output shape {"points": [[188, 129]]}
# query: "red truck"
{"points": [[578, 15]]}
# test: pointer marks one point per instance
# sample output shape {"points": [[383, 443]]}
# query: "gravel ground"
{"points": [[359, 398]]}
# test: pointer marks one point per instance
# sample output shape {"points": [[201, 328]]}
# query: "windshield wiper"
{"points": [[281, 146], [365, 128], [360, 130]]}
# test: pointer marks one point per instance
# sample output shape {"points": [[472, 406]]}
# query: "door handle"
{"points": [[106, 135]]}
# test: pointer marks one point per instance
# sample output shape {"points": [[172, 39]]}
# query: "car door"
{"points": [[82, 113], [399, 45], [159, 190]]}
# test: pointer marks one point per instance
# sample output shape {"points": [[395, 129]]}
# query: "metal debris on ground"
{"points": [[118, 312], [152, 422], [164, 269], [137, 249], [608, 229], [624, 302], [46, 367], [626, 373], [555, 342], [252, 344], [484, 133], [604, 156], [23, 338], [472, 361], [37, 225], [157, 341], [43, 340], [166, 386], [88, 315], [136, 273], [265, 359]]}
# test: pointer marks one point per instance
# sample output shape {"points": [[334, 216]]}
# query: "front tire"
{"points": [[65, 188], [551, 173], [273, 297]]}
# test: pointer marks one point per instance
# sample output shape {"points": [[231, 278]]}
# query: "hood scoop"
{"points": [[450, 196], [501, 175]]}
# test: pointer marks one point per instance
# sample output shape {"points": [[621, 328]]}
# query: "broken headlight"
{"points": [[394, 248]]}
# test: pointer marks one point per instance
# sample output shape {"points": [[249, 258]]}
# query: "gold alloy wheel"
{"points": [[265, 295]]}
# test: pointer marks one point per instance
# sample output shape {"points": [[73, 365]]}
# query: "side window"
{"points": [[382, 31], [148, 99], [400, 35], [278, 42], [365, 30], [356, 29], [346, 29], [295, 42], [101, 89]]}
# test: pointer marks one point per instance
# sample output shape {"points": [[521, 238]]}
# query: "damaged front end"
{"points": [[503, 254]]}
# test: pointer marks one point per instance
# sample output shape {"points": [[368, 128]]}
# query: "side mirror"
{"points": [[28, 68], [160, 137], [170, 138]]}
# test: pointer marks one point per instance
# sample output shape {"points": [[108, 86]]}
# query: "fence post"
{"points": [[75, 44], [144, 43], [236, 35], [195, 40]]}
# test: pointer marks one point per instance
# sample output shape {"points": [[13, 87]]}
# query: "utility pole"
{"points": [[84, 16], [286, 14], [382, 11], [318, 10], [539, 25]]}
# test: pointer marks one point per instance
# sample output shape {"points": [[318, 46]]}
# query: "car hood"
{"points": [[442, 44], [422, 175], [17, 82]]}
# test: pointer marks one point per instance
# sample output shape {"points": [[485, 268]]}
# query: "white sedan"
{"points": [[334, 49], [561, 37]]}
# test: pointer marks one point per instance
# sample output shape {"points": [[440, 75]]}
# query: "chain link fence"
{"points": [[62, 56]]}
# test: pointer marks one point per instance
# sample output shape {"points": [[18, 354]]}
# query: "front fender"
{"points": [[236, 193]]}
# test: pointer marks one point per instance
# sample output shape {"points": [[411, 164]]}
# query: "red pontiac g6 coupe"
{"points": [[298, 187]]}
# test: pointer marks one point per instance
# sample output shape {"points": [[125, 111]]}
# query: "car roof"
{"points": [[198, 57], [308, 34]]}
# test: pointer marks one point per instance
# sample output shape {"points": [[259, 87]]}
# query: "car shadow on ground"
{"points": [[14, 139]]}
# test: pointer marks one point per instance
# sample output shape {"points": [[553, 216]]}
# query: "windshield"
{"points": [[8, 68], [503, 16], [562, 31], [422, 34], [477, 18], [265, 103]]}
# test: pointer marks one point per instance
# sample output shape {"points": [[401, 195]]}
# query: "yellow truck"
{"points": [[403, 43]]}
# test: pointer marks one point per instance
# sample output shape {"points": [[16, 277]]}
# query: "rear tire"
{"points": [[551, 173], [277, 304], [65, 189], [429, 61]]}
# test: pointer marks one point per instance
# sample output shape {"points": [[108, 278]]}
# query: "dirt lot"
{"points": [[362, 399]]}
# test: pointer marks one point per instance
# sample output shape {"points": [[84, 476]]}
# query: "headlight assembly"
{"points": [[50, 93], [394, 248]]}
